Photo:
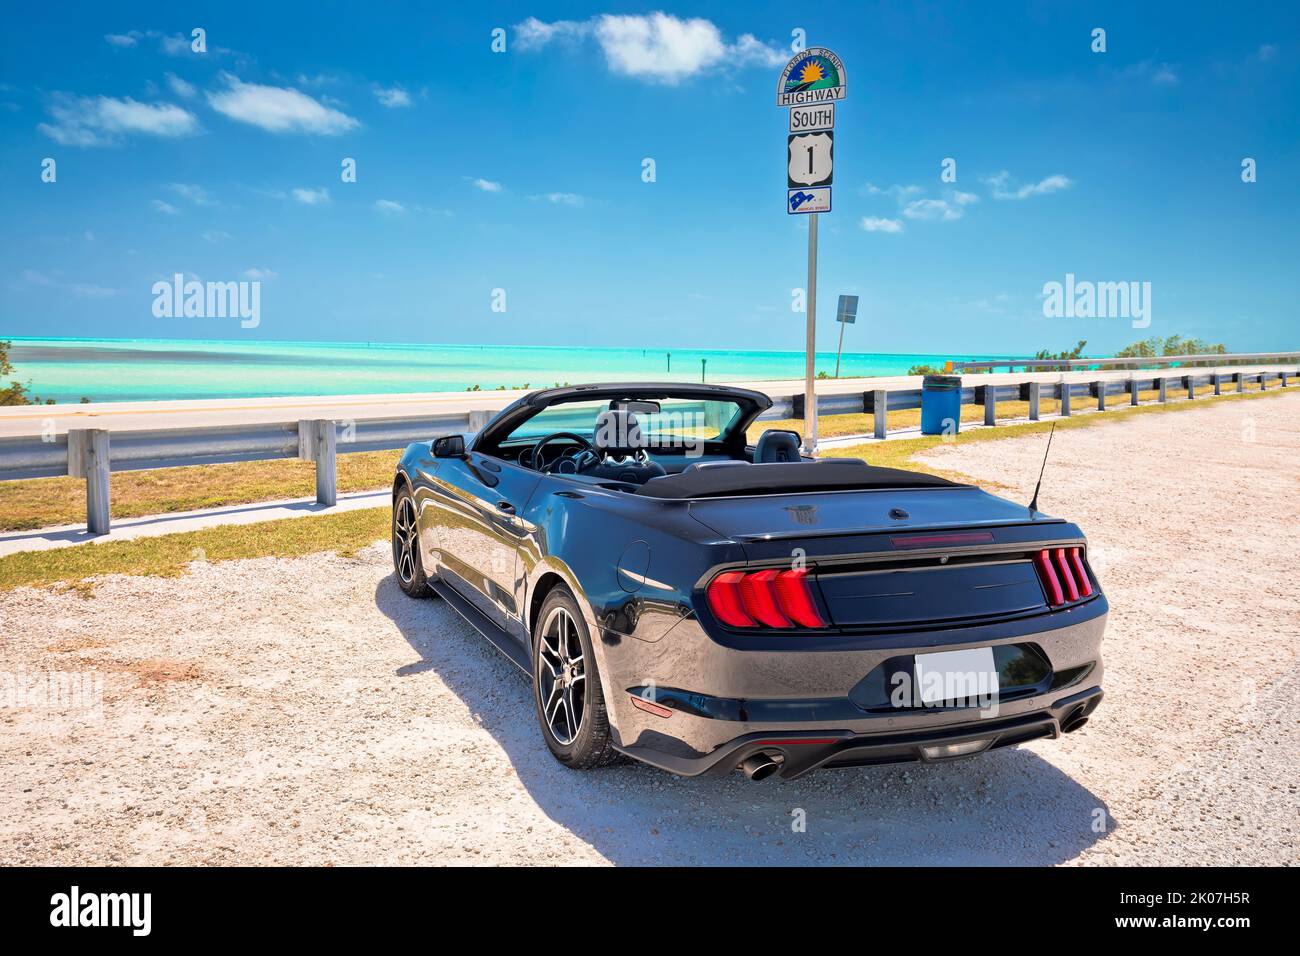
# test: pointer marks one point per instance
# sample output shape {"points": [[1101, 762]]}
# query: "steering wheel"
{"points": [[539, 463]]}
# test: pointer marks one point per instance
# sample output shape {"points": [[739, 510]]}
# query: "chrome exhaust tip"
{"points": [[759, 766]]}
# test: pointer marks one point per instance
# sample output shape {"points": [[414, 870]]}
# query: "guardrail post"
{"points": [[1283, 374], [1191, 386], [1133, 391], [317, 441], [1218, 384], [478, 417], [1241, 381], [1099, 389], [88, 458], [1066, 389], [1035, 395], [1263, 381], [1164, 389], [880, 411], [990, 404]]}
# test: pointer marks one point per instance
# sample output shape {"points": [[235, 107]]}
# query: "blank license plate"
{"points": [[963, 674]]}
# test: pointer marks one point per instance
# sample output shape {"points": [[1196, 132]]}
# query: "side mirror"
{"points": [[449, 446]]}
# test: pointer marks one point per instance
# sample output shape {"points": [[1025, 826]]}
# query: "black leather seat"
{"points": [[776, 445], [621, 447]]}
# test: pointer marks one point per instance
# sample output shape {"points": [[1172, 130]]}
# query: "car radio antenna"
{"points": [[1033, 505]]}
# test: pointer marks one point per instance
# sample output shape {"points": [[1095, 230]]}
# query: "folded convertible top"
{"points": [[837, 474]]}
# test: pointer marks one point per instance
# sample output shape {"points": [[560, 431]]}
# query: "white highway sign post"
{"points": [[811, 84]]}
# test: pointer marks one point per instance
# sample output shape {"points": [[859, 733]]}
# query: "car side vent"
{"points": [[1063, 576]]}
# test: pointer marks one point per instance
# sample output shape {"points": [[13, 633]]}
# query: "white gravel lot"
{"points": [[305, 712]]}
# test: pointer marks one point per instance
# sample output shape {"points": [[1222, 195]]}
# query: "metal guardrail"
{"points": [[1102, 364], [90, 454]]}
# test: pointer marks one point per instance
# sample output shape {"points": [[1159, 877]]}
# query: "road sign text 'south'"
{"points": [[806, 119]]}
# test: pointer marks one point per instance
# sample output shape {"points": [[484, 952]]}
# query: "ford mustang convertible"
{"points": [[682, 597]]}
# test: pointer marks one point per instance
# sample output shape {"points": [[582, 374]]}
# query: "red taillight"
{"points": [[758, 592], [771, 598], [1080, 573], [1064, 577], [1043, 561], [723, 593], [1067, 576], [795, 593]]}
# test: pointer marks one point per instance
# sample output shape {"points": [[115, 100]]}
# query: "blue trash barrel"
{"points": [[941, 404]]}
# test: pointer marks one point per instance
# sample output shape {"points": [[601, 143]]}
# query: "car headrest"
{"points": [[775, 445], [618, 433], [701, 465]]}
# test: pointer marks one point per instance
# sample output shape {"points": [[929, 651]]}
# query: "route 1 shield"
{"points": [[811, 159]]}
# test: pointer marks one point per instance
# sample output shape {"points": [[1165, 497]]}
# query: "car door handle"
{"points": [[506, 507]]}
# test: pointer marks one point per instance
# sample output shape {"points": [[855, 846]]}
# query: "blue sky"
{"points": [[522, 171]]}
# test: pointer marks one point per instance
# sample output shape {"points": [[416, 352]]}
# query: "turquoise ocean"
{"points": [[109, 370]]}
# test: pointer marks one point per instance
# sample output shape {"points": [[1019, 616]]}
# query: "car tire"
{"points": [[407, 566], [565, 683]]}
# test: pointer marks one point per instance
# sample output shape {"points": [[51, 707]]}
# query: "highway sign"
{"points": [[848, 309], [801, 201], [814, 76], [805, 119], [811, 158]]}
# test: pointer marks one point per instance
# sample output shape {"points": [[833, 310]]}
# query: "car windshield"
{"points": [[676, 419]]}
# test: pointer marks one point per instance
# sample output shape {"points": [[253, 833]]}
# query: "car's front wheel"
{"points": [[407, 566], [566, 686]]}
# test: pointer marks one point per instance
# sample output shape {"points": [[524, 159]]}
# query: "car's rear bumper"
{"points": [[802, 751], [714, 706]]}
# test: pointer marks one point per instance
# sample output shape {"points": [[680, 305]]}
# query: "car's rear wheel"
{"points": [[407, 566], [566, 686]]}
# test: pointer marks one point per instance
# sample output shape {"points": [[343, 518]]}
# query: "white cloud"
{"points": [[1000, 184], [278, 109], [165, 207], [102, 120], [215, 235], [533, 34], [1161, 74], [176, 45], [195, 194], [84, 290], [312, 197], [388, 207], [180, 87], [657, 47], [123, 39], [393, 97], [1267, 52], [32, 277], [261, 275], [964, 199], [929, 209], [562, 199], [749, 49], [898, 192], [876, 224], [487, 185], [1164, 75]]}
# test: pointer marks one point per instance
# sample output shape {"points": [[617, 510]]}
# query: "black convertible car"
{"points": [[684, 598]]}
